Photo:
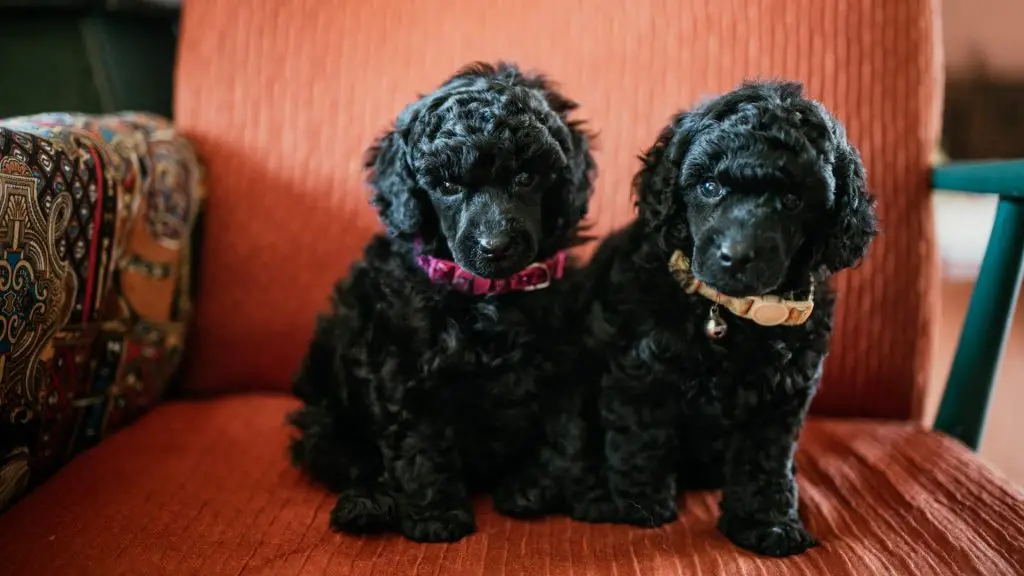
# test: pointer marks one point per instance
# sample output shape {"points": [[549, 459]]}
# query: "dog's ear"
{"points": [[563, 211], [655, 186], [578, 148], [584, 170], [571, 206], [399, 200], [854, 222]]}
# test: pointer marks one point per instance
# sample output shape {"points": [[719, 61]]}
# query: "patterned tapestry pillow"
{"points": [[96, 222]]}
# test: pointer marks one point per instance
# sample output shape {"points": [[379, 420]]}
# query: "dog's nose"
{"points": [[495, 245], [735, 255]]}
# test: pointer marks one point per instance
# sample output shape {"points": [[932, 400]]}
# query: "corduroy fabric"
{"points": [[203, 488], [281, 98]]}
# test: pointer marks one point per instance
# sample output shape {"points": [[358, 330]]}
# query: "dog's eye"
{"points": [[526, 180], [792, 202], [450, 189], [711, 189]]}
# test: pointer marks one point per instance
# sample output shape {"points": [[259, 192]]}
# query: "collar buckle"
{"points": [[539, 285]]}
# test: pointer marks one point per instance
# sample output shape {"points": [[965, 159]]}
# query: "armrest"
{"points": [[96, 283], [1004, 178], [990, 312]]}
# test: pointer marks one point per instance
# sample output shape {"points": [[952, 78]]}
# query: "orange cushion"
{"points": [[204, 488], [282, 98]]}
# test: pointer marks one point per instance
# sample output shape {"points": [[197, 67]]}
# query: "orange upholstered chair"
{"points": [[281, 98]]}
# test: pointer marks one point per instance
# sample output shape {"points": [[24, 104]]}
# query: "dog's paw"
{"points": [[525, 498], [360, 513], [439, 527], [645, 513], [778, 539]]}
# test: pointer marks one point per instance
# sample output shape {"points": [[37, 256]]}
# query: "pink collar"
{"points": [[536, 276]]}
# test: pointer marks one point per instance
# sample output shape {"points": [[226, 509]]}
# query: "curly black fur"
{"points": [[762, 190], [415, 394]]}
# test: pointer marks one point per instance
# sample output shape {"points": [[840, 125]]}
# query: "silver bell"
{"points": [[715, 327]]}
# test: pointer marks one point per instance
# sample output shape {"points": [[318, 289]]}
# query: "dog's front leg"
{"points": [[551, 474], [535, 488], [639, 454], [424, 466], [759, 500]]}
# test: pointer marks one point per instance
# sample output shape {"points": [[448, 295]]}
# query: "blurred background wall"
{"points": [[984, 32]]}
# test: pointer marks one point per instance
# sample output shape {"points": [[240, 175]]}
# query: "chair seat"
{"points": [[204, 488]]}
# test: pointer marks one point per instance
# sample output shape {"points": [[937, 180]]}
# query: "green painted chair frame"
{"points": [[990, 312]]}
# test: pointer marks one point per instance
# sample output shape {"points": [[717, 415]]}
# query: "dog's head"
{"points": [[487, 169], [760, 188]]}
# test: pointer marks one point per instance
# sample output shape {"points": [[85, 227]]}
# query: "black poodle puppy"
{"points": [[428, 377], [711, 313]]}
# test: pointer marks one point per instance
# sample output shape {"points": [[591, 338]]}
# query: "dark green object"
{"points": [[44, 65], [133, 58], [1002, 177], [66, 60], [989, 315]]}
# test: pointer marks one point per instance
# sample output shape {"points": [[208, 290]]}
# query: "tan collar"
{"points": [[764, 310]]}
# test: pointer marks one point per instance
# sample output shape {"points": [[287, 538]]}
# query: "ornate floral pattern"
{"points": [[96, 221]]}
